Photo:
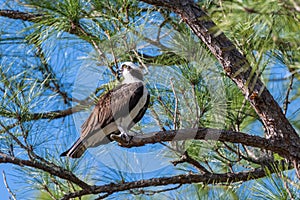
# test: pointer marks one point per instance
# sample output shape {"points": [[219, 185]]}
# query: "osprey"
{"points": [[116, 112]]}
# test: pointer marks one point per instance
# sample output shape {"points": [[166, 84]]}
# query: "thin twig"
{"points": [[100, 52], [112, 52], [162, 103], [46, 189], [240, 114], [152, 192], [286, 101], [249, 153], [225, 159], [296, 166], [13, 195], [186, 158], [207, 163], [177, 151], [8, 127], [241, 155], [196, 106], [48, 74], [293, 183], [175, 119], [285, 183], [156, 119], [141, 61]]}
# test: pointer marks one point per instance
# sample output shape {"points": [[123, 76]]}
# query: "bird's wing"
{"points": [[111, 106]]}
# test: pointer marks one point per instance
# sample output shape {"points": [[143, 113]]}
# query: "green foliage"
{"points": [[259, 28]]}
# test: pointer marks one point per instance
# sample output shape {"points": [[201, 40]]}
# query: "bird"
{"points": [[115, 113]]}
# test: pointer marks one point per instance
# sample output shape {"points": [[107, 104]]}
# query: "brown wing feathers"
{"points": [[112, 105]]}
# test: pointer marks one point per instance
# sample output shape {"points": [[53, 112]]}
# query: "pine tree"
{"points": [[223, 117]]}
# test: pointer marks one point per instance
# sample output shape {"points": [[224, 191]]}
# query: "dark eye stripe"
{"points": [[126, 67]]}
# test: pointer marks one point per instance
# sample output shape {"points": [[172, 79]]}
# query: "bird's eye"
{"points": [[126, 67]]}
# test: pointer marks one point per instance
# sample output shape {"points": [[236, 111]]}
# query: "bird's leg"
{"points": [[124, 134], [132, 133]]}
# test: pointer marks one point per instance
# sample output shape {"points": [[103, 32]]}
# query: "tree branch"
{"points": [[207, 134], [286, 100], [46, 115], [13, 195], [52, 169], [14, 14], [179, 179], [76, 28]]}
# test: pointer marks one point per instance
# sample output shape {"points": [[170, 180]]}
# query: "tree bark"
{"points": [[13, 14], [206, 178], [205, 134], [238, 70]]}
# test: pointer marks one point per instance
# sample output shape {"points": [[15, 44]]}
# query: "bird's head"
{"points": [[131, 72]]}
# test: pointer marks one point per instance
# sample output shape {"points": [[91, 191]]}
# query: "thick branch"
{"points": [[207, 134], [53, 169], [180, 179], [14, 14], [238, 69]]}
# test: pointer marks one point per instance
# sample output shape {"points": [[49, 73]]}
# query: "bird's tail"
{"points": [[76, 150]]}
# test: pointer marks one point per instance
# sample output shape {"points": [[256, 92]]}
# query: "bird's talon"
{"points": [[124, 137], [113, 136], [129, 139]]}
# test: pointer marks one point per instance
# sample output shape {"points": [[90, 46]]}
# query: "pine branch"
{"points": [[75, 29], [14, 14], [206, 178], [286, 100], [13, 195], [50, 168], [42, 115], [208, 134]]}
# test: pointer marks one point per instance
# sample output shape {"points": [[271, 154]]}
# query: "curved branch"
{"points": [[179, 179], [52, 169], [206, 134]]}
